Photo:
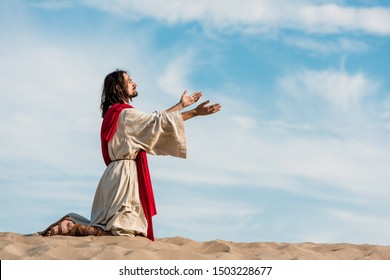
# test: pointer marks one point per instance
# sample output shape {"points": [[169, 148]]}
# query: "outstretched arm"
{"points": [[201, 110], [185, 101]]}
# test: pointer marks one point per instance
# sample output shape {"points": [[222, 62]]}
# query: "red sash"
{"points": [[109, 126]]}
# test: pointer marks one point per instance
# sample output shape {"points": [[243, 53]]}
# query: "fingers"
{"points": [[196, 96], [210, 109], [213, 108], [187, 100]]}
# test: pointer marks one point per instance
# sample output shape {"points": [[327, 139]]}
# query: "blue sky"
{"points": [[299, 152]]}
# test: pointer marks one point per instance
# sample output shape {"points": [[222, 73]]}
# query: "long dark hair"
{"points": [[114, 90]]}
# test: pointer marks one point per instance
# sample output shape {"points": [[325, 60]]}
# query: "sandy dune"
{"points": [[18, 246]]}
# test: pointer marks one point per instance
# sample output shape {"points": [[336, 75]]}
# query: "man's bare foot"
{"points": [[66, 226], [62, 227]]}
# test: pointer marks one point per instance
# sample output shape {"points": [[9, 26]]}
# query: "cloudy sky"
{"points": [[300, 151]]}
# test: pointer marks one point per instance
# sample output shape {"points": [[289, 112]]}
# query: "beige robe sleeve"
{"points": [[159, 133]]}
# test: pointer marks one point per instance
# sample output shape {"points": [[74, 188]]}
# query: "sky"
{"points": [[299, 152]]}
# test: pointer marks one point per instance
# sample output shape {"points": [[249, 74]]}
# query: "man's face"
{"points": [[130, 86]]}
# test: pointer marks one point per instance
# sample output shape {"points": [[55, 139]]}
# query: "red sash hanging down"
{"points": [[109, 126]]}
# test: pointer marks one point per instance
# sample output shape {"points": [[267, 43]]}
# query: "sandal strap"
{"points": [[76, 230], [97, 231], [59, 228]]}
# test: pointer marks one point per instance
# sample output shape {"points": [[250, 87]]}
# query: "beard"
{"points": [[132, 95]]}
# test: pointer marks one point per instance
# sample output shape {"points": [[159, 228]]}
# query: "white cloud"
{"points": [[52, 5], [351, 45], [207, 219], [327, 47], [339, 89], [243, 121], [257, 16], [363, 226], [315, 154], [173, 80], [51, 97]]}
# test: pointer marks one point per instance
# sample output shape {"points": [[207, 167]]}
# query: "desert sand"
{"points": [[16, 246]]}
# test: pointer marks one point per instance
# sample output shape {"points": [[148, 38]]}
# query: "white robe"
{"points": [[116, 206]]}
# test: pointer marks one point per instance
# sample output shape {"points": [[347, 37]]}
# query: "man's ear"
{"points": [[117, 88]]}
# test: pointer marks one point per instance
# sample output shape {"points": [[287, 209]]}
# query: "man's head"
{"points": [[118, 88]]}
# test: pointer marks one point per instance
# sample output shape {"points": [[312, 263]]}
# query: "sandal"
{"points": [[50, 230], [82, 230], [76, 230]]}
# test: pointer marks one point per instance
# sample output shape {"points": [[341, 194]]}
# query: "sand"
{"points": [[16, 246]]}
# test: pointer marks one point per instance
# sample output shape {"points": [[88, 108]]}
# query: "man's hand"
{"points": [[186, 100], [204, 110]]}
